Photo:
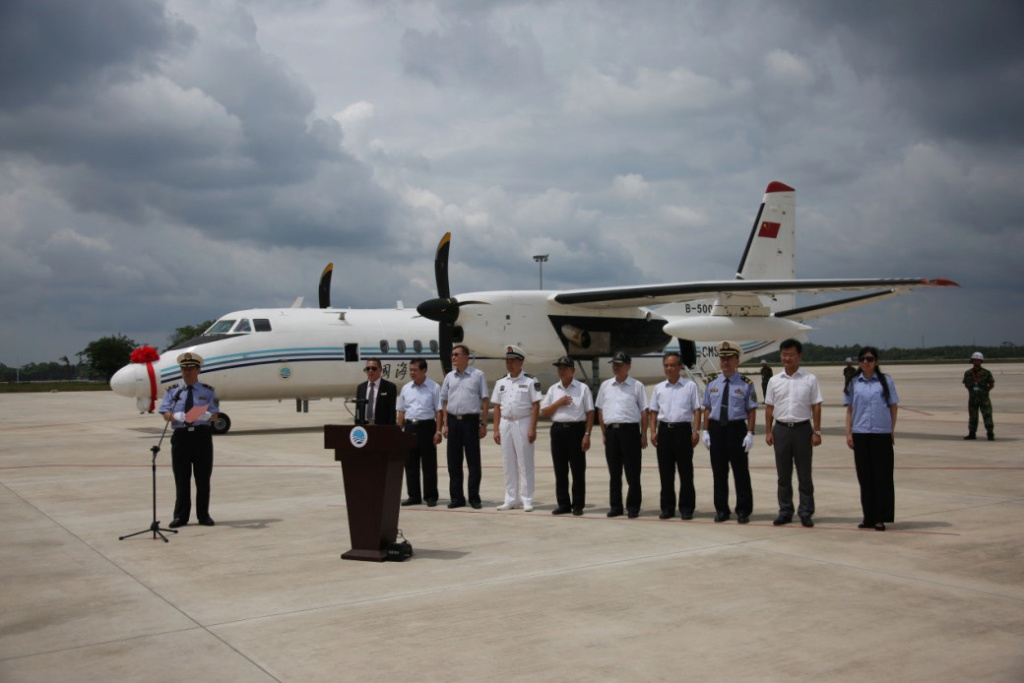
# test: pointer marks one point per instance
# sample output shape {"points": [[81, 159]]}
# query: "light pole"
{"points": [[540, 259]]}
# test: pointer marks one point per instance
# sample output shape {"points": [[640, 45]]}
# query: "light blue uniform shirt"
{"points": [[202, 395], [870, 414], [742, 398]]}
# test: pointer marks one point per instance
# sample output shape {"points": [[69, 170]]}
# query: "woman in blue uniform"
{"points": [[871, 405]]}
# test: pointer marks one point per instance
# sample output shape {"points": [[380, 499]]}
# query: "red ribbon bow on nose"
{"points": [[147, 354]]}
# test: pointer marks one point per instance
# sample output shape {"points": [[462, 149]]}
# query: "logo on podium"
{"points": [[358, 437]]}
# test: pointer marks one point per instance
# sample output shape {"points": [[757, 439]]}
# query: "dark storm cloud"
{"points": [[957, 67], [49, 48]]}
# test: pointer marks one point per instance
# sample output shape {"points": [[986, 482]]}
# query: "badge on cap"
{"points": [[620, 357], [564, 361], [514, 353], [728, 348], [190, 360]]}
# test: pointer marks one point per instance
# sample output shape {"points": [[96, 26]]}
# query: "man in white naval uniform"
{"points": [[516, 400]]}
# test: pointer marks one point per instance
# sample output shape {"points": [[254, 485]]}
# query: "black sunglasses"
{"points": [[867, 359], [371, 369]]}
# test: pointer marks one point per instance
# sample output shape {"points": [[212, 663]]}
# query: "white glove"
{"points": [[205, 417], [706, 439], [179, 416], [748, 442]]}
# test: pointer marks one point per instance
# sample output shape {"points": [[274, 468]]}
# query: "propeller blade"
{"points": [[441, 266], [444, 332], [325, 286]]}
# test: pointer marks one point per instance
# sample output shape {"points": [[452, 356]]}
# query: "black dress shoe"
{"points": [[411, 501], [431, 502], [456, 504], [576, 512], [807, 522], [686, 515], [970, 437], [721, 516], [991, 436], [665, 515], [880, 527], [615, 512], [207, 521], [865, 525], [561, 510], [780, 520], [176, 523], [743, 519], [633, 514], [476, 505]]}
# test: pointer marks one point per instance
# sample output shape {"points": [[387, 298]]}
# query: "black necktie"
{"points": [[723, 414], [369, 403], [188, 400]]}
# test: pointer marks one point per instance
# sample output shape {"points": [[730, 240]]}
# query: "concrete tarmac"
{"points": [[264, 596]]}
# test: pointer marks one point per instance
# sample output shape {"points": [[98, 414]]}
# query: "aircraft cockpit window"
{"points": [[220, 327], [417, 346], [384, 346], [401, 346], [243, 326], [433, 346], [261, 324]]}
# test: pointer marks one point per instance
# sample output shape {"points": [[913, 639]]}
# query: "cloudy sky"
{"points": [[165, 162]]}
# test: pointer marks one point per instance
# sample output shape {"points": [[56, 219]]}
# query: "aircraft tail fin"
{"points": [[770, 253]]}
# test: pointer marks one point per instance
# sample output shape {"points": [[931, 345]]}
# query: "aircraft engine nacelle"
{"points": [[576, 336], [734, 328]]}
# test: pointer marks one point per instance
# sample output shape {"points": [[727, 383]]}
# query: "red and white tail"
{"points": [[771, 248]]}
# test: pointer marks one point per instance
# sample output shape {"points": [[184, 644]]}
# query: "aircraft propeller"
{"points": [[444, 309]]}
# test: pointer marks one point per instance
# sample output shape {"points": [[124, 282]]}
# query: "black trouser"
{"points": [[425, 454], [464, 435], [622, 450], [192, 452], [793, 447], [727, 449], [675, 453], [873, 456], [567, 454]]}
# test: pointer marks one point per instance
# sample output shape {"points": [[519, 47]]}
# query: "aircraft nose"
{"points": [[130, 381]]}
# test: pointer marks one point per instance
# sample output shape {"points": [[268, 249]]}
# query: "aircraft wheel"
{"points": [[222, 424]]}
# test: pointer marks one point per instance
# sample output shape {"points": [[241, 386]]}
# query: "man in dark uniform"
{"points": [[190, 407], [375, 398], [766, 374], [849, 372], [730, 411], [979, 382]]}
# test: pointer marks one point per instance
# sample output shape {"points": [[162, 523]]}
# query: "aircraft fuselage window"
{"points": [[243, 326], [417, 346], [433, 346], [351, 353], [384, 346], [401, 346], [261, 324], [220, 327]]}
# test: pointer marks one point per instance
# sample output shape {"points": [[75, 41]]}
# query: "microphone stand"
{"points": [[155, 526]]}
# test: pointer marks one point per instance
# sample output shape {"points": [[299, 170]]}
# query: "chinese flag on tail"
{"points": [[769, 230]]}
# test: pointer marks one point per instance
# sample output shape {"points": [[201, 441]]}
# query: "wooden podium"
{"points": [[373, 466]]}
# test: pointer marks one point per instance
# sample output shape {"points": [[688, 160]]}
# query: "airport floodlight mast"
{"points": [[540, 259]]}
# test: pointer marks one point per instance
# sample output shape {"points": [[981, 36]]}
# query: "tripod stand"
{"points": [[155, 526]]}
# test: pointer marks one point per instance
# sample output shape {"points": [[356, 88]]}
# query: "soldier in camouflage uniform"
{"points": [[979, 382], [766, 374]]}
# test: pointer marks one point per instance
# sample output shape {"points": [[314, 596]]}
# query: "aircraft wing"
{"points": [[650, 295], [829, 307]]}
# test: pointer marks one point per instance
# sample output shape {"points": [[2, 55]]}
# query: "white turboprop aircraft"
{"points": [[308, 353]]}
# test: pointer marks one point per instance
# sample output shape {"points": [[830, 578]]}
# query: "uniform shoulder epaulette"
{"points": [[747, 379], [207, 386], [526, 374]]}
